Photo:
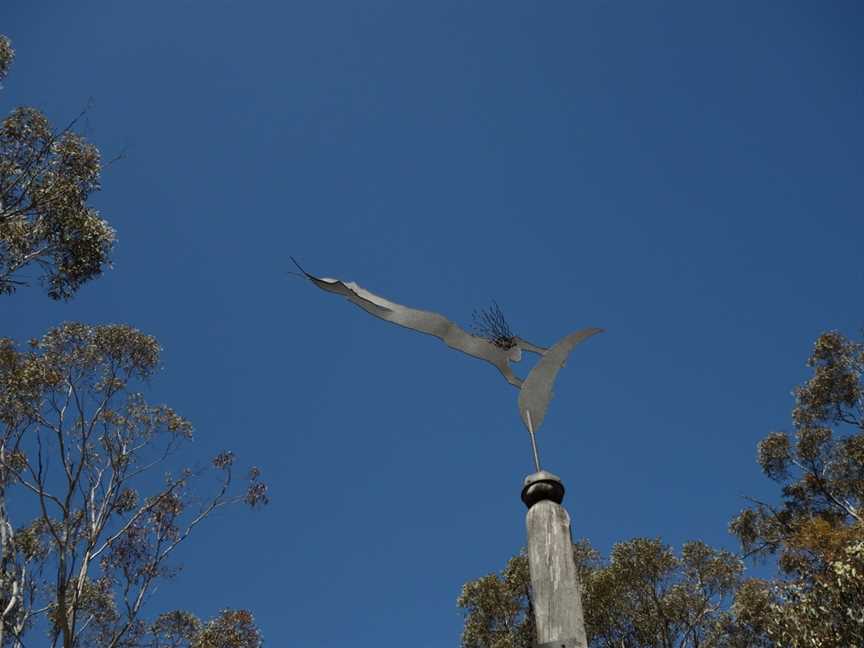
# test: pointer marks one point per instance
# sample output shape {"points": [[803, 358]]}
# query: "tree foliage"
{"points": [[6, 56], [90, 455], [648, 596], [498, 609], [46, 180], [816, 532], [230, 629], [102, 506]]}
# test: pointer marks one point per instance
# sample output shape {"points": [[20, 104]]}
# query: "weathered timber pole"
{"points": [[556, 591]]}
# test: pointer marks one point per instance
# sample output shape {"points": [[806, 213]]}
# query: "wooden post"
{"points": [[556, 591]]}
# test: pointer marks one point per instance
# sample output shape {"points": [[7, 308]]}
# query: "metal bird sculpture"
{"points": [[495, 344]]}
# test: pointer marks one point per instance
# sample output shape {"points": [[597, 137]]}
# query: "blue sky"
{"points": [[686, 175]]}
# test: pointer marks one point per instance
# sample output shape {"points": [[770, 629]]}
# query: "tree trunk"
{"points": [[7, 556]]}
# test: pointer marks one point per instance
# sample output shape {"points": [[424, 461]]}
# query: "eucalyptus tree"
{"points": [[100, 503], [105, 505], [46, 224], [816, 531]]}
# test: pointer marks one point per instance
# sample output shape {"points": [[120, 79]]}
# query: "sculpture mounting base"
{"points": [[557, 593]]}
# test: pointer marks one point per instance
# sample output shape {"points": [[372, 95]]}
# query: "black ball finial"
{"points": [[540, 486]]}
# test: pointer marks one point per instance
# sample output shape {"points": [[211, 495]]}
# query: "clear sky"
{"points": [[687, 175]]}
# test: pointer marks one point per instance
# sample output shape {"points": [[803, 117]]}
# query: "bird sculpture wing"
{"points": [[419, 320], [536, 390]]}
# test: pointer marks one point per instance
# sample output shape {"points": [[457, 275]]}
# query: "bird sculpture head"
{"points": [[490, 323], [516, 353]]}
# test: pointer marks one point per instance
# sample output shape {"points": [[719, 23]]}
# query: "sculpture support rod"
{"points": [[555, 587], [533, 442]]}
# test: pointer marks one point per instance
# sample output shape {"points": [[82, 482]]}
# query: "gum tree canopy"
{"points": [[100, 502], [46, 225], [817, 530], [85, 455]]}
